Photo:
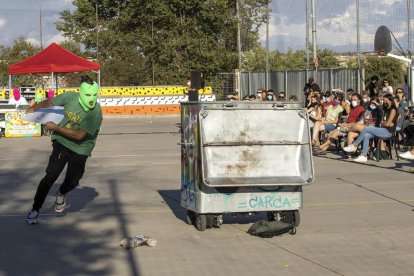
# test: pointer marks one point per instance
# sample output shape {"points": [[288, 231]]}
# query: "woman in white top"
{"points": [[387, 88]]}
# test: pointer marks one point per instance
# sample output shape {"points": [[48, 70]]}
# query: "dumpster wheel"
{"points": [[201, 222], [292, 217]]}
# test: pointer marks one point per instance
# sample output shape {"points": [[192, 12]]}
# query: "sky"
{"points": [[335, 27]]}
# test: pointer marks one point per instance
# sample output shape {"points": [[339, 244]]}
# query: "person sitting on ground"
{"points": [[354, 116], [385, 131], [327, 123]]}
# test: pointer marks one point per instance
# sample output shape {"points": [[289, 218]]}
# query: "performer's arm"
{"points": [[42, 104], [68, 132]]}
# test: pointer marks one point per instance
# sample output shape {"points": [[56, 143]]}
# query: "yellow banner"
{"points": [[16, 127]]}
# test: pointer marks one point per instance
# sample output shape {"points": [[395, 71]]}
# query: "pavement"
{"points": [[357, 219]]}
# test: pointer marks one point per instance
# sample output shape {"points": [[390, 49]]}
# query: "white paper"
{"points": [[43, 115]]}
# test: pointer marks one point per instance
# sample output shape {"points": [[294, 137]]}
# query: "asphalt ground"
{"points": [[357, 219]]}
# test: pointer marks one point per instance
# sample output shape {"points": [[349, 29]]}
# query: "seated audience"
{"points": [[354, 116], [385, 130]]}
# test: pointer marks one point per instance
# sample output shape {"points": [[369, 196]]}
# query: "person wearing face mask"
{"points": [[365, 99], [270, 95], [385, 130], [327, 123], [73, 140], [17, 99], [314, 109], [354, 116], [372, 117], [327, 101]]}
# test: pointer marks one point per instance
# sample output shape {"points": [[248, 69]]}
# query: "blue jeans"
{"points": [[370, 132]]}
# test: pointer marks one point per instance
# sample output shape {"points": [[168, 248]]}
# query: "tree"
{"points": [[170, 38], [327, 59], [19, 51], [385, 68]]}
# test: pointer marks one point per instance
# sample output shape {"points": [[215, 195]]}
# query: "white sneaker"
{"points": [[32, 217], [350, 148], [361, 158], [60, 203], [406, 155]]}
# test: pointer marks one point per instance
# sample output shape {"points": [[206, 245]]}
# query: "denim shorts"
{"points": [[329, 127]]}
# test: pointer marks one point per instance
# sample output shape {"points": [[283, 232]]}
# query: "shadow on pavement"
{"points": [[77, 244], [172, 199]]}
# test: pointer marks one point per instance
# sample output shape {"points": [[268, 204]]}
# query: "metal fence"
{"points": [[292, 82]]}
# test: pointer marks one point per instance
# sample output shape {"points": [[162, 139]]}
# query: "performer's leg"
{"points": [[74, 172], [57, 162]]}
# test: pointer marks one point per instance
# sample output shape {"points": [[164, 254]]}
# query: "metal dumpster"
{"points": [[244, 157]]}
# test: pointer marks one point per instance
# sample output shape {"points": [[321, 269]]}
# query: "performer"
{"points": [[73, 141]]}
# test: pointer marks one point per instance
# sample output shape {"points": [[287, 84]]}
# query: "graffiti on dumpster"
{"points": [[274, 201], [190, 155]]}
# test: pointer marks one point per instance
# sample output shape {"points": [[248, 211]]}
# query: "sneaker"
{"points": [[406, 155], [361, 158], [350, 148], [32, 217], [317, 151], [60, 203]]}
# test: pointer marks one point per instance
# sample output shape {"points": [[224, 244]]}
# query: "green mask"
{"points": [[88, 95], [38, 97]]}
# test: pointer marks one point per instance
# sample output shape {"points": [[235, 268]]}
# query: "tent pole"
{"points": [[99, 84], [56, 82], [10, 83]]}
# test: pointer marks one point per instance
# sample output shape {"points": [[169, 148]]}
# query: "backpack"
{"points": [[268, 229]]}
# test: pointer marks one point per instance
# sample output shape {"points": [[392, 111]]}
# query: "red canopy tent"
{"points": [[53, 59]]}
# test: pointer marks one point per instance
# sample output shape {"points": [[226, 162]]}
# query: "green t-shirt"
{"points": [[77, 118]]}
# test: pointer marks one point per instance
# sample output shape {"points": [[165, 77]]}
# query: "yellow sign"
{"points": [[16, 127]]}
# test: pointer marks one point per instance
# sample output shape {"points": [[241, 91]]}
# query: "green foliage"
{"points": [[19, 51], [385, 68], [169, 38], [327, 59], [292, 60]]}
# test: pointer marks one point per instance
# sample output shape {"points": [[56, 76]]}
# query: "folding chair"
{"points": [[391, 142]]}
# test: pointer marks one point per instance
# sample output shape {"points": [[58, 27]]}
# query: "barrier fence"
{"points": [[291, 82]]}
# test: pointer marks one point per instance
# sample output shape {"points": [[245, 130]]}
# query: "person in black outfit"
{"points": [[372, 87], [311, 86]]}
